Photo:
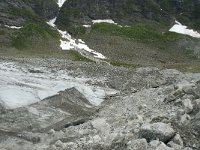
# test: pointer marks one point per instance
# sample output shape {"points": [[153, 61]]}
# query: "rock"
{"points": [[188, 89], [52, 131], [170, 98], [187, 148], [139, 144], [59, 143], [185, 119], [158, 130], [187, 105], [155, 143], [178, 140], [197, 103], [162, 146], [174, 145]]}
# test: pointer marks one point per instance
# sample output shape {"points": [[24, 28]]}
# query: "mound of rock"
{"points": [[158, 130]]}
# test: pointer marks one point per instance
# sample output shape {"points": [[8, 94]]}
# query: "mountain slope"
{"points": [[128, 12], [16, 12]]}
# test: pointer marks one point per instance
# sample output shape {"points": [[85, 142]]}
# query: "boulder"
{"points": [[162, 146], [178, 140], [155, 143], [187, 105], [174, 145], [139, 144], [158, 130]]}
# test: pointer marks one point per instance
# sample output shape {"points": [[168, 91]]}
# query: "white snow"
{"points": [[52, 22], [12, 27], [103, 21], [87, 26], [182, 29], [69, 43], [19, 87], [60, 2]]}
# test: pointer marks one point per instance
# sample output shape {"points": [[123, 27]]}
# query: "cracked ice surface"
{"points": [[19, 87]]}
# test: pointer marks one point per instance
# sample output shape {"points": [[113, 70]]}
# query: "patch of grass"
{"points": [[2, 32], [75, 31], [33, 34], [139, 32], [194, 67], [77, 56], [24, 11]]}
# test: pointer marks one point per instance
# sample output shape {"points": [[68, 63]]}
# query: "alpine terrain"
{"points": [[100, 75]]}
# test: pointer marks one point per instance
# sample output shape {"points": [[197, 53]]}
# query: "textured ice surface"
{"points": [[20, 87]]}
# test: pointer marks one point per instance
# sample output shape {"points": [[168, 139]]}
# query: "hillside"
{"points": [[146, 42], [100, 75]]}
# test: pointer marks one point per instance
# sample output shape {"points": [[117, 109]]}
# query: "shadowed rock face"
{"points": [[68, 108], [16, 12], [125, 12]]}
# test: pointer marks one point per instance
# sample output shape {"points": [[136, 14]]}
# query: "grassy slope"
{"points": [[138, 45], [34, 40], [142, 45]]}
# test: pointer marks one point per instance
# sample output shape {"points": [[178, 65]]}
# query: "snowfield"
{"points": [[69, 43], [25, 85], [179, 28]]}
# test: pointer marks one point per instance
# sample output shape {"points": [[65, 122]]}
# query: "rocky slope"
{"points": [[153, 110], [129, 12], [17, 12]]}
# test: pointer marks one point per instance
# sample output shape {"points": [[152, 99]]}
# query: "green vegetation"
{"points": [[75, 31], [140, 32], [74, 55], [33, 35], [24, 11], [67, 17]]}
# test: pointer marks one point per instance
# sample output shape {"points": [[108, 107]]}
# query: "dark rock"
{"points": [[158, 130]]}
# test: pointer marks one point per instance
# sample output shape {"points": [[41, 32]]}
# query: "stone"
{"points": [[188, 89], [174, 145], [139, 144], [187, 105], [185, 119], [59, 143], [162, 146], [187, 148], [52, 131], [197, 103], [155, 143], [158, 130], [170, 98], [178, 140]]}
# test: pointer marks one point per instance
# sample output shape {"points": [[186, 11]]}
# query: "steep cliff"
{"points": [[16, 12], [76, 12]]}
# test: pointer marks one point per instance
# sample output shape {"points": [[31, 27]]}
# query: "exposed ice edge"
{"points": [[68, 43], [182, 29], [19, 87]]}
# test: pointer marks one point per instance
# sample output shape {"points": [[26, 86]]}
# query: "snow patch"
{"points": [[104, 21], [52, 22], [68, 43], [19, 87], [12, 27], [87, 26], [182, 29], [60, 3]]}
